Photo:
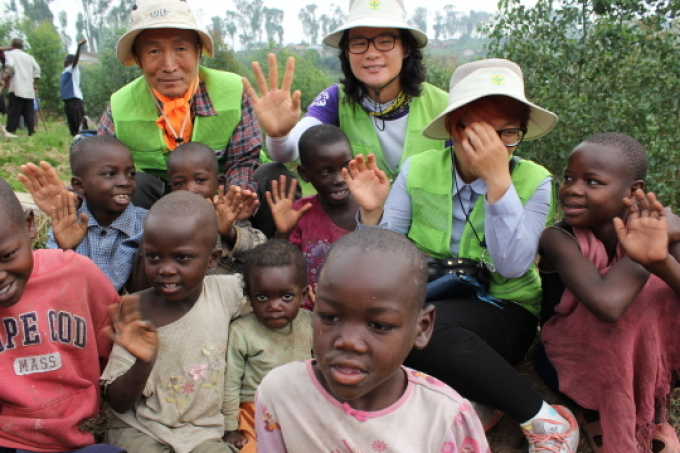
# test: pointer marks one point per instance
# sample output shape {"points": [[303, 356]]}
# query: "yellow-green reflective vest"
{"points": [[429, 184], [135, 114], [359, 128]]}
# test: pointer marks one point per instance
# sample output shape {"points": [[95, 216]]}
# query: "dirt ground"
{"points": [[506, 437]]}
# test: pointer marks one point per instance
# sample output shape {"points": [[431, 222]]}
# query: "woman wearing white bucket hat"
{"points": [[177, 100], [469, 207], [382, 103]]}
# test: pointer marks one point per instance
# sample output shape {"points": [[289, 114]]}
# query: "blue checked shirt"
{"points": [[112, 248]]}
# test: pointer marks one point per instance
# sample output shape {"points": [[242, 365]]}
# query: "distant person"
{"points": [[23, 72], [3, 84], [69, 87]]}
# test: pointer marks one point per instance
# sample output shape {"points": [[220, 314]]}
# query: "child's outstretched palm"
{"points": [[644, 236], [137, 336], [369, 185], [68, 227], [281, 205], [228, 206], [43, 184]]}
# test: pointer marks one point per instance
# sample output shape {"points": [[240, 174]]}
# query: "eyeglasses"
{"points": [[380, 42], [510, 137]]}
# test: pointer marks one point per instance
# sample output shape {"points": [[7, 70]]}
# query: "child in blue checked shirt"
{"points": [[107, 227]]}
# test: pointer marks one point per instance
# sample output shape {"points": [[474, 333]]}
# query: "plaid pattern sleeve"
{"points": [[242, 155], [247, 238], [105, 126]]}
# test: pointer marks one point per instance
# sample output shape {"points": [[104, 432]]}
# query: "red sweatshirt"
{"points": [[52, 351]]}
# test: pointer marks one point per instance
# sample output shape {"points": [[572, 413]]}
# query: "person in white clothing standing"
{"points": [[24, 73]]}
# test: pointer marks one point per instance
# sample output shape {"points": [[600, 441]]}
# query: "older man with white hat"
{"points": [[178, 101]]}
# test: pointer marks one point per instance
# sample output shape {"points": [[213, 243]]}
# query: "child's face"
{"points": [[16, 259], [194, 174], [276, 295], [109, 182], [595, 183], [176, 256], [365, 324], [325, 171]]}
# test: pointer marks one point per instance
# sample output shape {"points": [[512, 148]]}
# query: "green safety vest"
{"points": [[134, 116], [359, 128], [429, 183]]}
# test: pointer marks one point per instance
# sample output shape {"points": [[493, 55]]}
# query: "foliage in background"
{"points": [[45, 45], [440, 69], [608, 67], [98, 81]]}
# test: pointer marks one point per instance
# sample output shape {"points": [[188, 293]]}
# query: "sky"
{"points": [[206, 9]]}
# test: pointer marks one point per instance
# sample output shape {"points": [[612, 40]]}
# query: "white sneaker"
{"points": [[549, 436]]}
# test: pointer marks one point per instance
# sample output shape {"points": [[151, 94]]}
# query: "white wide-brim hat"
{"points": [[495, 76], [148, 14], [375, 14]]}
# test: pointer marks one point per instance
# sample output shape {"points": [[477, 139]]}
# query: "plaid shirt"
{"points": [[247, 238], [112, 248], [242, 152]]}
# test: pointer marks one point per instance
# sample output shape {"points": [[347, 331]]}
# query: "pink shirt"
{"points": [[314, 234], [295, 414]]}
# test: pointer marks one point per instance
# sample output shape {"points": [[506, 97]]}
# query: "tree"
{"points": [[223, 57], [63, 23], [610, 67], [45, 46], [419, 19], [37, 10], [273, 18], [310, 25], [332, 20], [99, 80]]}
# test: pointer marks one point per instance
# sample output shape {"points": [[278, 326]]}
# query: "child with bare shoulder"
{"points": [[165, 378], [356, 395], [613, 336]]}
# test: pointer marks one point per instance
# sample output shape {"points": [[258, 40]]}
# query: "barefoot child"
{"points": [[193, 166], [314, 223], [613, 340], [165, 378], [275, 333], [53, 304], [356, 395]]}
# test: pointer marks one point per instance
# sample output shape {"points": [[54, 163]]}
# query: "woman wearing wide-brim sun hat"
{"points": [[382, 102], [477, 204]]}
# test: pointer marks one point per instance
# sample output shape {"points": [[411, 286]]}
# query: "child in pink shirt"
{"points": [[314, 223], [356, 396]]}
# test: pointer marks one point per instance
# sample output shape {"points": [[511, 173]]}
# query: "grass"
{"points": [[51, 146]]}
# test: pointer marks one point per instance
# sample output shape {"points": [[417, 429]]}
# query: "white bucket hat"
{"points": [[148, 14], [495, 76], [375, 14]]}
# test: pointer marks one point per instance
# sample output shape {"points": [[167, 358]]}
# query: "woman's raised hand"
{"points": [[369, 186], [277, 110]]}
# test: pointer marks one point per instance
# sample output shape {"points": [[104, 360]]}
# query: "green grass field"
{"points": [[51, 146]]}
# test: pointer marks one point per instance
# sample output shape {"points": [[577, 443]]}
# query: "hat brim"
{"points": [[333, 39], [124, 44], [541, 121]]}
